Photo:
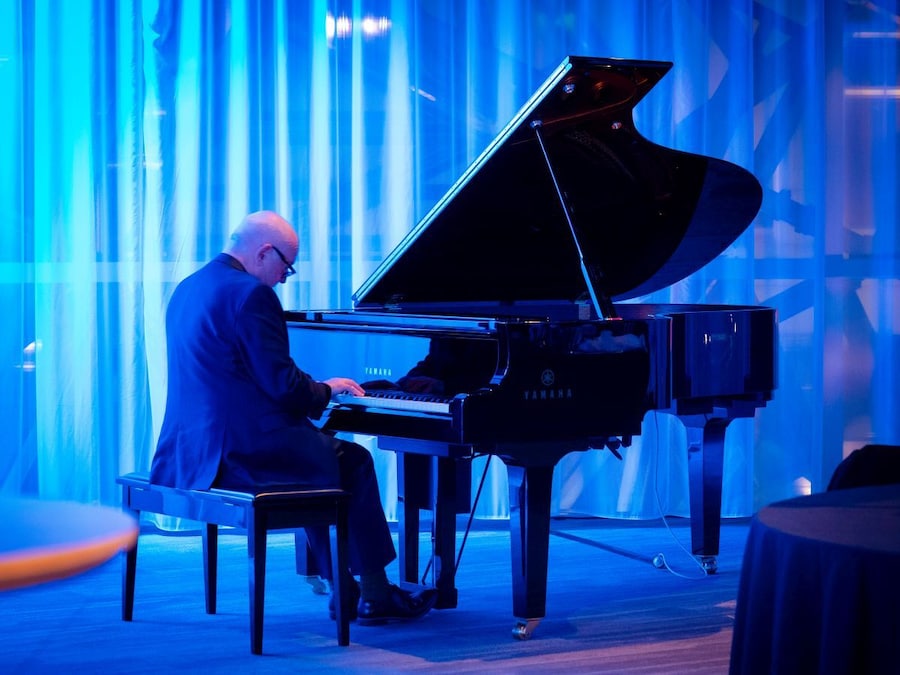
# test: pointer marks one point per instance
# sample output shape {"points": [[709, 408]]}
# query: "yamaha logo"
{"points": [[545, 393]]}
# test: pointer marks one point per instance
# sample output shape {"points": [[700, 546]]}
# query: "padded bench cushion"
{"points": [[223, 507]]}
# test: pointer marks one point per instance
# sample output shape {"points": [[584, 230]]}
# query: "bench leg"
{"points": [[210, 565], [256, 549], [129, 568], [339, 568], [129, 562]]}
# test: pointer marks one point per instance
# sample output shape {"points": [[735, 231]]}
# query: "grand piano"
{"points": [[499, 326]]}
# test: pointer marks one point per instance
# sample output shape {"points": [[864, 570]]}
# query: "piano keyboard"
{"points": [[389, 399]]}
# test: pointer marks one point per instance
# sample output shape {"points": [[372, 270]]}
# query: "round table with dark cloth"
{"points": [[820, 586]]}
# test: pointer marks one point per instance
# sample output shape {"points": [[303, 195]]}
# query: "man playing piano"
{"points": [[238, 408]]}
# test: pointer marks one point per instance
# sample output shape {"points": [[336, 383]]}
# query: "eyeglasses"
{"points": [[288, 268]]}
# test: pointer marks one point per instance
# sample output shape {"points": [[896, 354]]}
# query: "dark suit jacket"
{"points": [[238, 407]]}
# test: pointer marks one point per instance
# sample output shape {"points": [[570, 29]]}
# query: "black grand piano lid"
{"points": [[645, 216]]}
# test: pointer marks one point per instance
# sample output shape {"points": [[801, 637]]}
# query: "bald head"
{"points": [[260, 242]]}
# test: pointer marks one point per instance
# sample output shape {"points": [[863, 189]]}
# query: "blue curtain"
{"points": [[137, 133]]}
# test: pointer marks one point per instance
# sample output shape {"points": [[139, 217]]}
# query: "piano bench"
{"points": [[257, 514]]}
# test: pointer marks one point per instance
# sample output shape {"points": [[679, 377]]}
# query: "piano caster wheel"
{"points": [[709, 564], [524, 629]]}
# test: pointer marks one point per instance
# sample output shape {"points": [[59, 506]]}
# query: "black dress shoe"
{"points": [[350, 602], [398, 605]]}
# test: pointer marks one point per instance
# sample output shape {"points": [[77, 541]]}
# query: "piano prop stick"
{"points": [[486, 331]]}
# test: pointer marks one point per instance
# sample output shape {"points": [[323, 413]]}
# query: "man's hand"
{"points": [[344, 385]]}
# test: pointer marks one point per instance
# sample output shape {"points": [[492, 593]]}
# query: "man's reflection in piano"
{"points": [[452, 366]]}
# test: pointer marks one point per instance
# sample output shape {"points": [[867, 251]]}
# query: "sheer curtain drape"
{"points": [[137, 133]]}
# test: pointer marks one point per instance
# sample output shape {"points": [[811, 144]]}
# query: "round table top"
{"points": [[866, 518], [46, 540]]}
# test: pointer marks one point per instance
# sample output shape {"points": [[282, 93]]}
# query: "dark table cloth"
{"points": [[820, 586]]}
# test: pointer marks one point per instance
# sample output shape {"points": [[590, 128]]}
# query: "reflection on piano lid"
{"points": [[569, 202]]}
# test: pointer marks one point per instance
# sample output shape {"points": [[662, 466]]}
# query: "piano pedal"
{"points": [[612, 443], [613, 447], [524, 629]]}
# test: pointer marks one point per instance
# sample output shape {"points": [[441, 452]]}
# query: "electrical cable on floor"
{"points": [[462, 544], [659, 560]]}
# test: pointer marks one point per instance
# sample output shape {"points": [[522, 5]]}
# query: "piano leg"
{"points": [[529, 523], [414, 475], [706, 449], [444, 532], [433, 483]]}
